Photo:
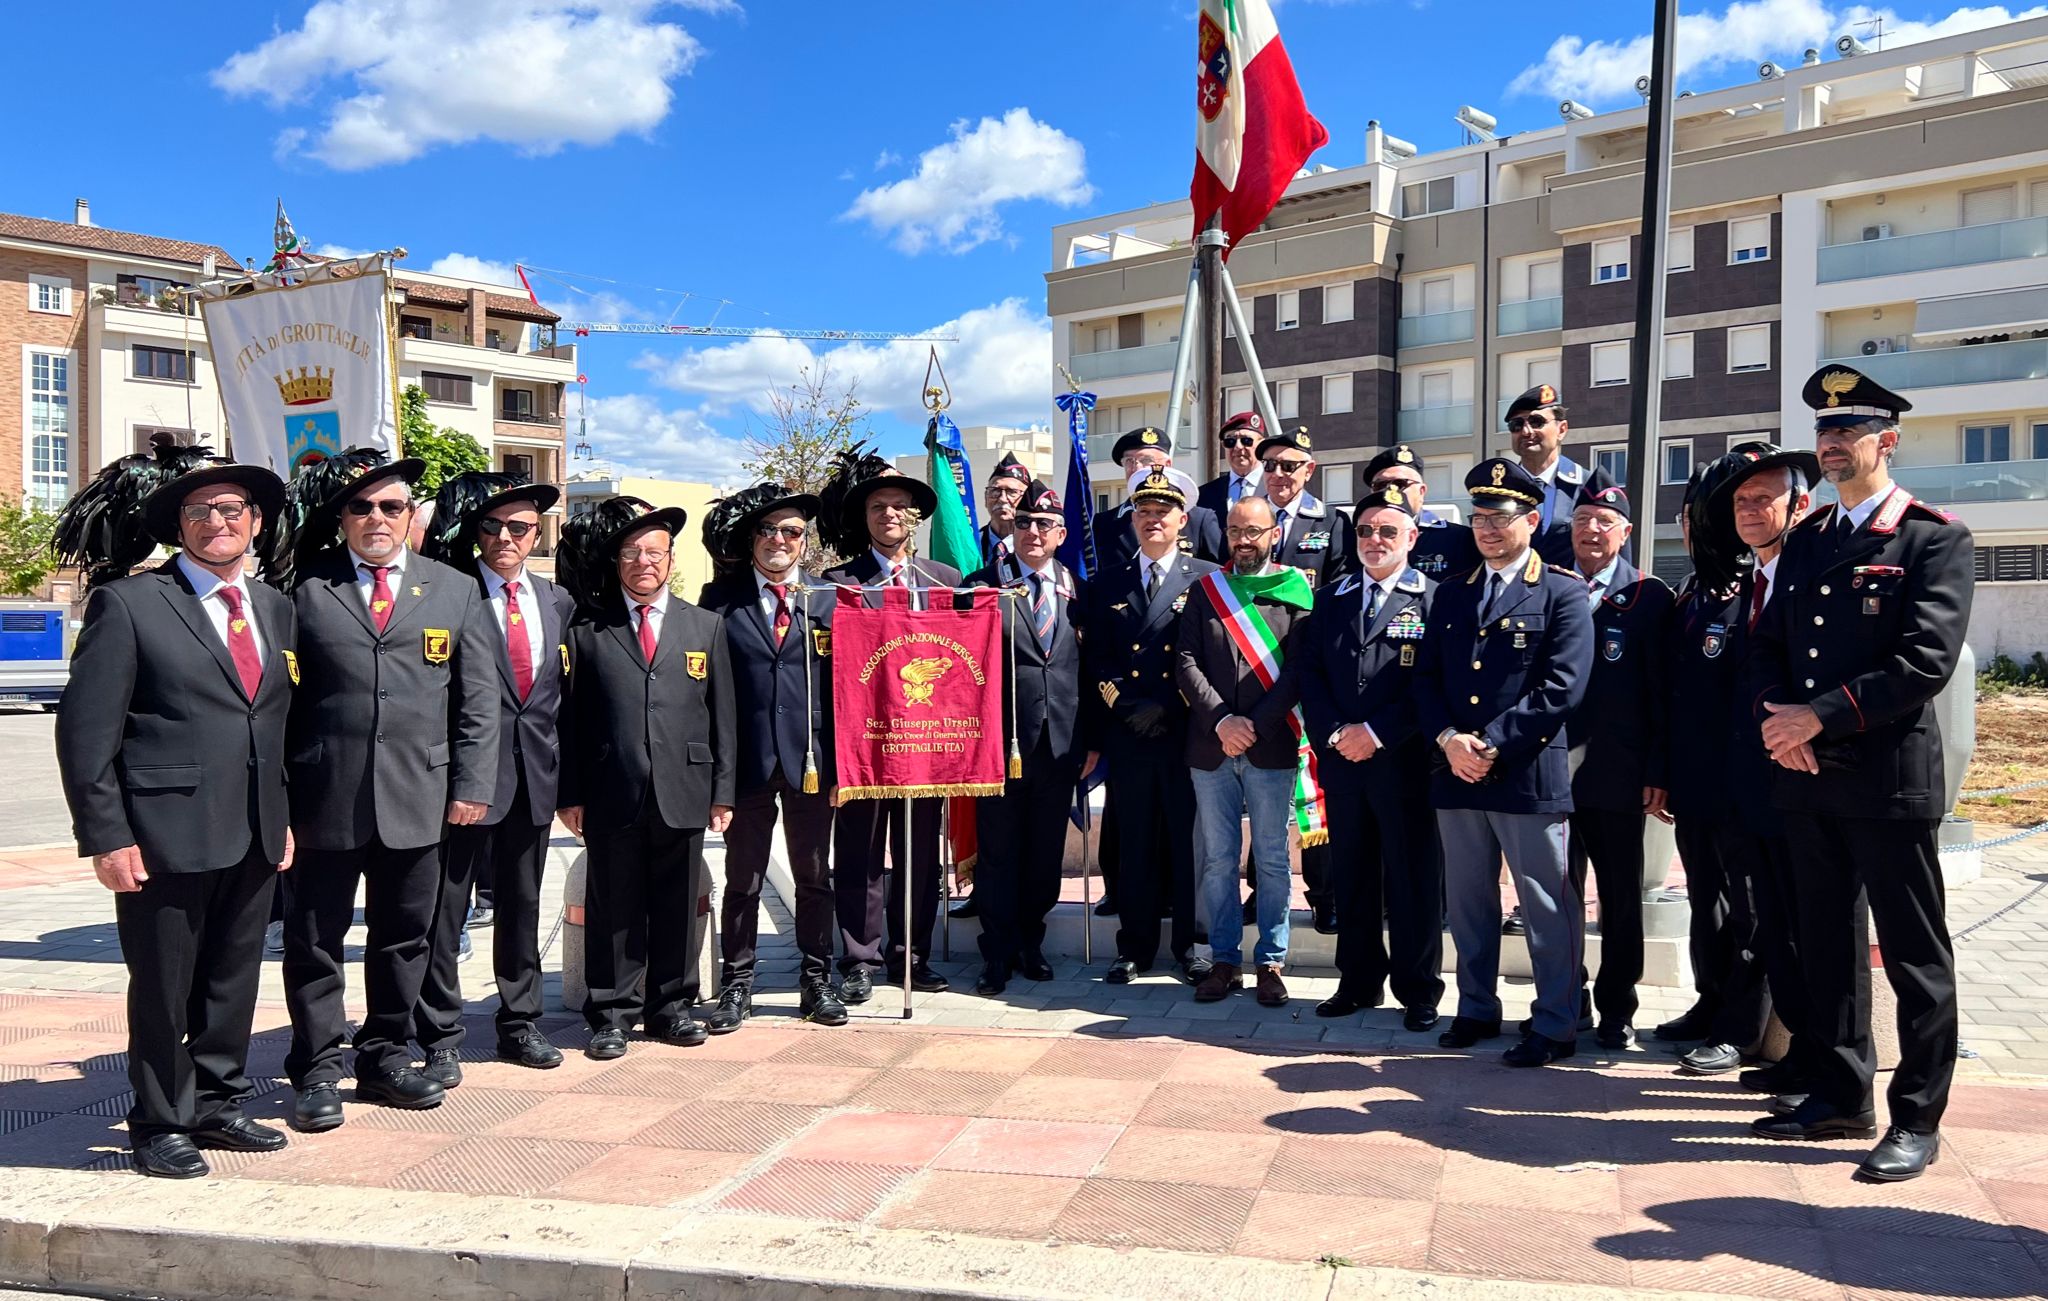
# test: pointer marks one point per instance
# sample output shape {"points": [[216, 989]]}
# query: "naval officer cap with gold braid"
{"points": [[1165, 484]]}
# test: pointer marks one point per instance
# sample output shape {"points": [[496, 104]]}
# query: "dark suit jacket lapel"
{"points": [[528, 599], [1174, 582], [409, 592], [1395, 601], [665, 639], [624, 621], [1515, 593], [341, 584], [182, 599]]}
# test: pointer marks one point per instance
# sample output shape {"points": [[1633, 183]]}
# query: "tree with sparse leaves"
{"points": [[447, 452], [26, 527], [808, 424]]}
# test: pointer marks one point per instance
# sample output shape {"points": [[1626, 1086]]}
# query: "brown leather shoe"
{"points": [[1272, 990], [1218, 984]]}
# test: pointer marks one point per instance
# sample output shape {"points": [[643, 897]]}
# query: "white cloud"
{"points": [[952, 199], [1744, 33], [465, 267], [887, 158], [339, 251], [398, 78], [639, 435], [1000, 368]]}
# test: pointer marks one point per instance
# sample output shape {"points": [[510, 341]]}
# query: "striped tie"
{"points": [[1042, 611]]}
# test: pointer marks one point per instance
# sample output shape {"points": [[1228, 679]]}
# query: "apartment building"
{"points": [[1889, 208]]}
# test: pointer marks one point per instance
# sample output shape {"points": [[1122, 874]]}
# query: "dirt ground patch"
{"points": [[2012, 749]]}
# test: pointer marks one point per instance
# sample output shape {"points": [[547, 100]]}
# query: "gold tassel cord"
{"points": [[1010, 642], [810, 782]]}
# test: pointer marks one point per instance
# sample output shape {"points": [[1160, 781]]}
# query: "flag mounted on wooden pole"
{"points": [[1253, 130]]}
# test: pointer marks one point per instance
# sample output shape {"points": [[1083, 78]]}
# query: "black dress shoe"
{"points": [[856, 986], [530, 1048], [1419, 1018], [1777, 1079], [923, 978], [735, 1005], [317, 1109], [1106, 907], [606, 1046], [1815, 1119], [1528, 1023], [1121, 971], [1901, 1156], [1539, 1050], [1325, 916], [169, 1156], [817, 1003], [240, 1135], [1343, 1004], [965, 910], [406, 1089], [1711, 1059], [1616, 1036], [1697, 1023], [1031, 965], [444, 1067], [1513, 924], [684, 1032], [994, 979], [1196, 970], [1466, 1031], [1787, 1103]]}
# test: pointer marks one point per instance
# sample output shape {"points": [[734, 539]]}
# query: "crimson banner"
{"points": [[918, 694]]}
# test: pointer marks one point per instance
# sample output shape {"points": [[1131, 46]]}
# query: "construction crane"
{"points": [[586, 328]]}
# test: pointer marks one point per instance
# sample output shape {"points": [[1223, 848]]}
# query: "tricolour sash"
{"points": [[1261, 649]]}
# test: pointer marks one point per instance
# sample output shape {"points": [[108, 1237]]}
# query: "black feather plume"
{"points": [[721, 522], [855, 465], [101, 529], [451, 533], [582, 563], [306, 531]]}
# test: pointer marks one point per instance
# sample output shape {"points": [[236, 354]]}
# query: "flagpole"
{"points": [[1190, 314], [1244, 346]]}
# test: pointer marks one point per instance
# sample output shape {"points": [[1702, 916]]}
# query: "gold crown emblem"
{"points": [[1158, 479], [1836, 383], [1392, 496], [1403, 455], [1546, 394], [1500, 472], [1301, 436], [1149, 438], [311, 385]]}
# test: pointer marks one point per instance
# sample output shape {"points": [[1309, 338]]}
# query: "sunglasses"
{"points": [[1403, 484], [1038, 523], [786, 532], [518, 528], [1384, 532], [1240, 440], [1517, 424], [388, 509], [230, 511], [1278, 466]]}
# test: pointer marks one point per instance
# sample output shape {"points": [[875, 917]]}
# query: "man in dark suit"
{"points": [[508, 846], [393, 739], [170, 743], [1315, 538], [1873, 600], [650, 766], [1356, 671], [1137, 451], [1005, 488], [870, 835], [1504, 664], [1023, 831], [1137, 721], [1536, 430], [1618, 749], [1239, 439], [1443, 548], [778, 633]]}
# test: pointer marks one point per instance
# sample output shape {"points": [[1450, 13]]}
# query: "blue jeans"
{"points": [[1221, 797]]}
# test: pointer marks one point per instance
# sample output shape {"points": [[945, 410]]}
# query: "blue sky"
{"points": [[878, 166]]}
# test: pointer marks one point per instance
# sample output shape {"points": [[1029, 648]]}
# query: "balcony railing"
{"points": [[1531, 315], [1945, 485], [172, 304], [1439, 327], [1434, 422], [529, 418], [1119, 362], [1978, 363], [2000, 241]]}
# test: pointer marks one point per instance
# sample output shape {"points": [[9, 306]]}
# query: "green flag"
{"points": [[946, 469]]}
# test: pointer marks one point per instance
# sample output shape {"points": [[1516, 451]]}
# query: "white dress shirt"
{"points": [[529, 612], [207, 585], [1596, 588], [912, 579], [654, 616], [366, 582], [767, 598], [1864, 509]]}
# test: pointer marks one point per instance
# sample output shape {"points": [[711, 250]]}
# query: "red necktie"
{"points": [[380, 595], [242, 643], [781, 591], [1756, 598], [516, 643], [647, 633]]}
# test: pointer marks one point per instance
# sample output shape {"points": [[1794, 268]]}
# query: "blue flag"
{"points": [[1077, 553]]}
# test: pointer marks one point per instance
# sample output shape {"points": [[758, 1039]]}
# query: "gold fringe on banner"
{"points": [[917, 792], [1310, 839]]}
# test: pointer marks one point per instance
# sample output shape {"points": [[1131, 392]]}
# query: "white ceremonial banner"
{"points": [[305, 371]]}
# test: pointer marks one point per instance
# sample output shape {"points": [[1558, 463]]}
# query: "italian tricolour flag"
{"points": [[1253, 130]]}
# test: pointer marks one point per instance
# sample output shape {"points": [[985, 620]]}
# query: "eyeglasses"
{"points": [[1493, 523], [1250, 532], [229, 511], [1598, 523], [1240, 440], [642, 555], [1384, 532], [1278, 466], [389, 509], [492, 525], [1039, 523], [1005, 493], [1516, 424], [786, 532]]}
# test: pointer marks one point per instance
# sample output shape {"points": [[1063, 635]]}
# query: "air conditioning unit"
{"points": [[1882, 230], [1872, 347]]}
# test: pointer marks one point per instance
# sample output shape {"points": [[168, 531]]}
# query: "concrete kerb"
{"points": [[76, 1229]]}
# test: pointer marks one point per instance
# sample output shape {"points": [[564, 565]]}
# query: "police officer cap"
{"points": [[1843, 395], [1249, 421], [1295, 439], [1010, 468], [1162, 484], [1543, 395], [1399, 456], [1501, 482], [1039, 500], [1140, 438], [1387, 498], [1611, 497]]}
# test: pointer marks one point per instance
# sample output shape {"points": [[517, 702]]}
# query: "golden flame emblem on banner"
{"points": [[921, 676]]}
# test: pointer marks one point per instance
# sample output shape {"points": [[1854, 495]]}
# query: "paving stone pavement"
{"points": [[1070, 1113]]}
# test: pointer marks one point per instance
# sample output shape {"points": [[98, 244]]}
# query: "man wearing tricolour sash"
{"points": [[1245, 743]]}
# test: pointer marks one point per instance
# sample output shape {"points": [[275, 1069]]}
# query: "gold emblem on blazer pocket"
{"points": [[821, 640], [437, 645], [697, 663], [291, 666], [564, 648]]}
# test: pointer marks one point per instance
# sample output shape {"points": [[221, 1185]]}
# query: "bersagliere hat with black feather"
{"points": [[842, 502], [312, 507], [729, 525], [468, 497], [115, 522]]}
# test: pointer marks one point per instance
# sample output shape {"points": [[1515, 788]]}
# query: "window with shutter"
{"points": [[1749, 348]]}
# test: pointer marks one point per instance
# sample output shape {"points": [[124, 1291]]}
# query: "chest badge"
{"points": [[1872, 604], [1712, 645], [1408, 656], [697, 664], [1610, 646], [1521, 641], [1121, 606], [291, 666], [1180, 602], [436, 644], [564, 648], [821, 641]]}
